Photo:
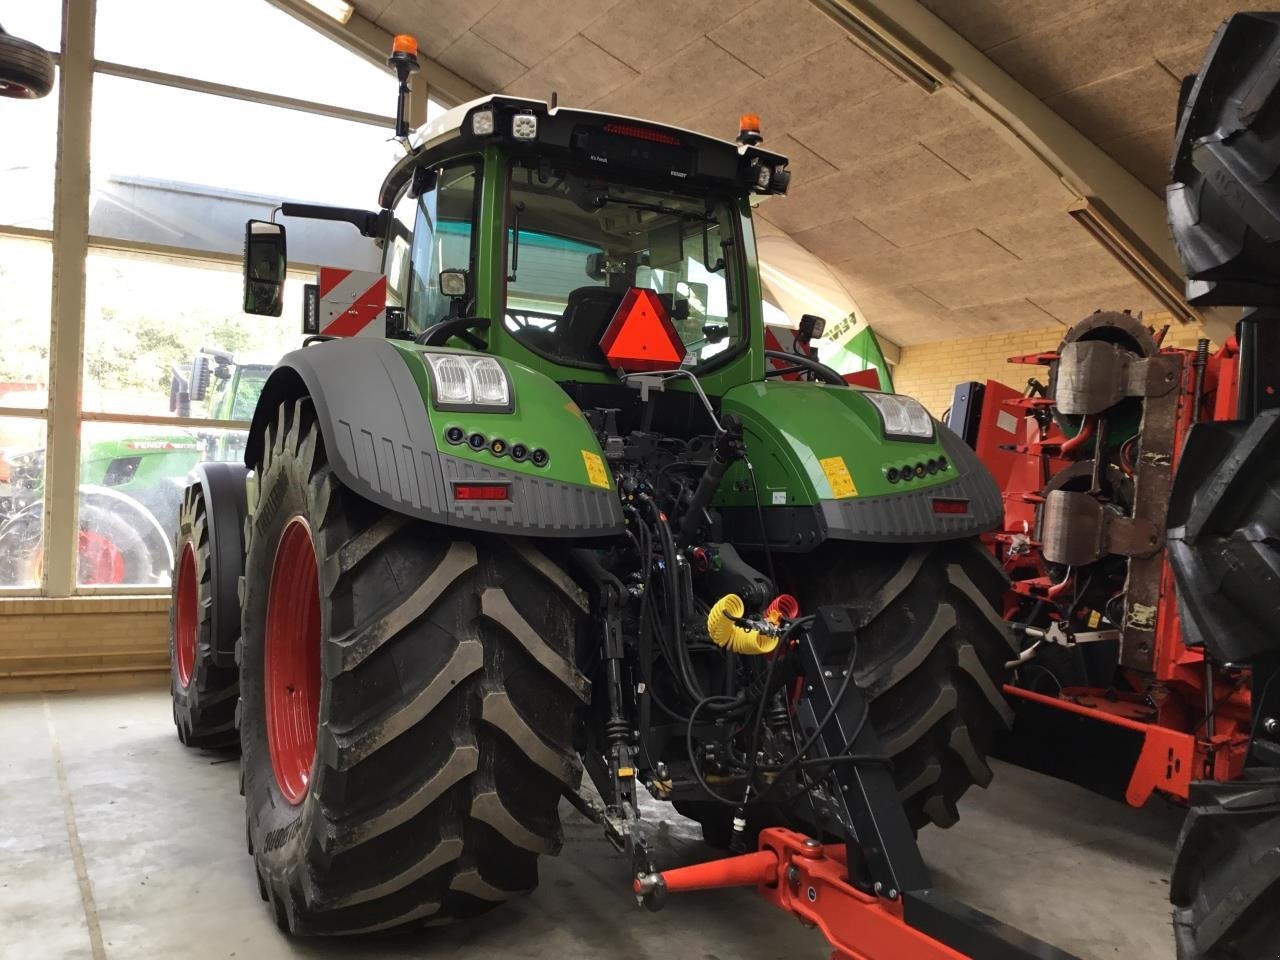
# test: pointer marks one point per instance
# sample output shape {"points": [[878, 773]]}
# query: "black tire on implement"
{"points": [[445, 710], [26, 70], [204, 707], [1226, 873], [931, 658]]}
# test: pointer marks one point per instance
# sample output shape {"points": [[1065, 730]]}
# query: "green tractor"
{"points": [[131, 481], [573, 518]]}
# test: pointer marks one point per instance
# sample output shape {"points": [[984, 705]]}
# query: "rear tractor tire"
{"points": [[931, 658], [204, 694], [407, 700]]}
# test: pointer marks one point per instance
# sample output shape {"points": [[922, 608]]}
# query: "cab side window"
{"points": [[442, 234]]}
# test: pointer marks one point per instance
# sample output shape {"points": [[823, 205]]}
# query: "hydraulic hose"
{"points": [[733, 636], [725, 452]]}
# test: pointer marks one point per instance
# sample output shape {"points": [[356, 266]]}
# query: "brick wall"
{"points": [[930, 371], [83, 643]]}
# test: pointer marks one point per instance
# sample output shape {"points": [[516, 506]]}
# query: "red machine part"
{"points": [[807, 879], [1181, 741]]}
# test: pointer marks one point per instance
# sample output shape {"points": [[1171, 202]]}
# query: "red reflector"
{"points": [[640, 335], [950, 506], [641, 133], [481, 491]]}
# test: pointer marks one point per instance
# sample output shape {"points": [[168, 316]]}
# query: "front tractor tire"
{"points": [[930, 660], [204, 694], [407, 700]]}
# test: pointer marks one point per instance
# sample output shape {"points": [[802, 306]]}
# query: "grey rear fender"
{"points": [[380, 443]]}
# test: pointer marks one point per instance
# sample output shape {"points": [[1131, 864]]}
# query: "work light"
{"points": [[902, 416], [465, 382]]}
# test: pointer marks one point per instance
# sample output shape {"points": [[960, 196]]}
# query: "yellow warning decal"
{"points": [[838, 476], [596, 472], [1095, 618]]}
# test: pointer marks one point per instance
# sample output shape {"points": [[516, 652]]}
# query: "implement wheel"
{"points": [[204, 694], [407, 703], [1226, 871]]}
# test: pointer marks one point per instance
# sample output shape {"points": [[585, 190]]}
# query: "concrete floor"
{"points": [[115, 843]]}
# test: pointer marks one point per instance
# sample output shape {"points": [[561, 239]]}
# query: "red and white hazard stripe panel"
{"points": [[353, 303]]}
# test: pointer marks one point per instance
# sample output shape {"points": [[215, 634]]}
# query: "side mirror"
{"points": [[454, 284], [265, 263], [199, 377]]}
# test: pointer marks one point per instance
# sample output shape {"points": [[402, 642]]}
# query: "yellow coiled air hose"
{"points": [[730, 635]]}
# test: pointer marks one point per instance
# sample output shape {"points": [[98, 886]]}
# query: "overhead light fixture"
{"points": [[860, 27], [340, 10], [1107, 229]]}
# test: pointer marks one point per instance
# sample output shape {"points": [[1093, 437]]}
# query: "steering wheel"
{"points": [[438, 334], [796, 360]]}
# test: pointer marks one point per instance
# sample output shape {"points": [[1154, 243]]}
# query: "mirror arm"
{"points": [[369, 223]]}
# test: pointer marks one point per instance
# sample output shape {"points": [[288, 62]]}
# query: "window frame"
{"points": [[63, 417]]}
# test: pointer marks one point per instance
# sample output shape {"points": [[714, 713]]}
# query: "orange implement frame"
{"points": [[1167, 757], [807, 879]]}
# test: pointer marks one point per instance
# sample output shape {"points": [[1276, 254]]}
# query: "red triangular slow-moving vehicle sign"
{"points": [[641, 336]]}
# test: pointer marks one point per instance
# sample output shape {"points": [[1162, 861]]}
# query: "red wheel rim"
{"points": [[184, 626], [100, 559], [291, 660]]}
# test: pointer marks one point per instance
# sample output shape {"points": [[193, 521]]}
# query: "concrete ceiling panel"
{"points": [[968, 252], [1079, 303], [845, 238], [976, 151], [1000, 199], [1045, 235], [682, 85], [773, 33], [985, 23], [481, 62], [642, 34], [533, 30], [791, 98], [888, 121], [1120, 104], [1145, 154], [579, 73], [1106, 39], [435, 23]]}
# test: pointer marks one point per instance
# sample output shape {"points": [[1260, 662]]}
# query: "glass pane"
{"points": [[25, 290], [131, 482], [39, 22], [441, 241], [29, 134], [246, 43], [21, 501], [582, 246], [235, 160], [168, 337]]}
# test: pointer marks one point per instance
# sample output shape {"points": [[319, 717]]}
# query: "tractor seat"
{"points": [[586, 315]]}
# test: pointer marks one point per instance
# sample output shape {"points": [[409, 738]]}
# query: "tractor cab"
{"points": [[523, 229]]}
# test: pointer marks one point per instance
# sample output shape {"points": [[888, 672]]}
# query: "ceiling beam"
{"points": [[920, 47], [364, 37]]}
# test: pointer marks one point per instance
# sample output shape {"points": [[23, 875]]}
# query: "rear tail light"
{"points": [[637, 132], [481, 491], [950, 506]]}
